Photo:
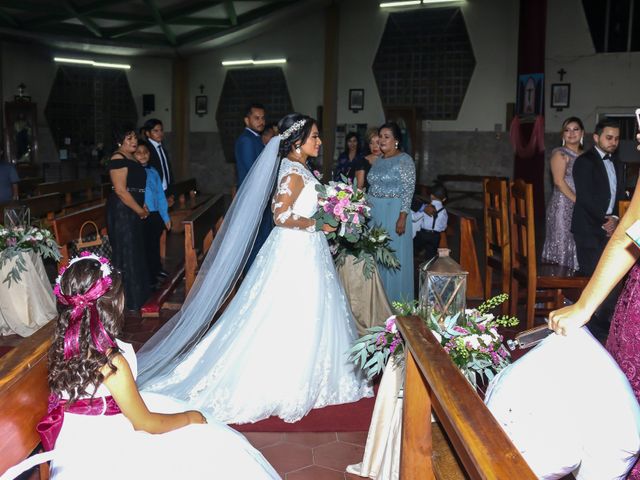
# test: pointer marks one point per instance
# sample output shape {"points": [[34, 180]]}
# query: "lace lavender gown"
{"points": [[623, 342], [559, 246]]}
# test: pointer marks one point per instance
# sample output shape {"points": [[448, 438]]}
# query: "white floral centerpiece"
{"points": [[16, 241], [473, 342]]}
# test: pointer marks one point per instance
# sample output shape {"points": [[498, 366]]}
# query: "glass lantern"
{"points": [[17, 216], [443, 287]]}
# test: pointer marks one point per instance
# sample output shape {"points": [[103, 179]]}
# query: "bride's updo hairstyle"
{"points": [[292, 133]]}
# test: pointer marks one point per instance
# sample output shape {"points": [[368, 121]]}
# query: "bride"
{"points": [[280, 347]]}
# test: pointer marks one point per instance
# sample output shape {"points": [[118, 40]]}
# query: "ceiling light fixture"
{"points": [[91, 63], [234, 63], [408, 3], [400, 4]]}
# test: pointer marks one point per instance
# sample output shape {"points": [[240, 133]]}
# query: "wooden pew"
{"points": [[23, 395], [69, 188], [186, 201], [67, 227], [462, 229], [477, 447], [462, 187], [43, 207], [199, 230], [28, 185]]}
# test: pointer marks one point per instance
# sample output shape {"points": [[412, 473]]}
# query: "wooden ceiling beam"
{"points": [[84, 19], [171, 38], [231, 13]]}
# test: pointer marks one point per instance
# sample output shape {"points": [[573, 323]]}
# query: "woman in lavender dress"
{"points": [[392, 181], [623, 342], [559, 246]]}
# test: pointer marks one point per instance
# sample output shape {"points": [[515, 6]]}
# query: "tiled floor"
{"points": [[311, 456]]}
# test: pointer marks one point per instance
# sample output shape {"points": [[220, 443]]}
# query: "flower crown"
{"points": [[80, 303], [293, 128]]}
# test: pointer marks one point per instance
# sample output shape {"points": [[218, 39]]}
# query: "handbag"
{"points": [[94, 243]]}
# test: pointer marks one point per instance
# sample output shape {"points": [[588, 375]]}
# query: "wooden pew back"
{"points": [[184, 190], [199, 230], [463, 227], [68, 188], [23, 395], [433, 382], [40, 207], [67, 227], [27, 186]]}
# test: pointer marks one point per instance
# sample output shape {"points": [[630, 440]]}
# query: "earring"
{"points": [[563, 142], [119, 145], [396, 145], [582, 141], [298, 150]]}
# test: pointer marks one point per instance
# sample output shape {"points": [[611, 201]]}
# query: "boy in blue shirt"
{"points": [[158, 219]]}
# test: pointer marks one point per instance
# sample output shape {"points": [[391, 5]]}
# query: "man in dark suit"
{"points": [[248, 147], [249, 144], [597, 174], [158, 157]]}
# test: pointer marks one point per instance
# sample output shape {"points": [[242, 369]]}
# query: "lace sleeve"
{"points": [[282, 204]]}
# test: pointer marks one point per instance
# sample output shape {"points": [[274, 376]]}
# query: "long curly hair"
{"points": [[75, 375], [297, 137]]}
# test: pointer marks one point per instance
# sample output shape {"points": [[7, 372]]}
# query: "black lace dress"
{"points": [[127, 236]]}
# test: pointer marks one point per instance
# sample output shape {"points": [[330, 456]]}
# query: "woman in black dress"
{"points": [[125, 214]]}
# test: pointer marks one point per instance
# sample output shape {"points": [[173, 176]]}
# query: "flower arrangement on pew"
{"points": [[18, 240], [472, 340], [344, 206], [373, 246]]}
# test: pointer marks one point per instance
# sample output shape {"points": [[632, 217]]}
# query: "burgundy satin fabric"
{"points": [[49, 427]]}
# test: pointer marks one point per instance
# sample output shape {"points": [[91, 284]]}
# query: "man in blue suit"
{"points": [[248, 146]]}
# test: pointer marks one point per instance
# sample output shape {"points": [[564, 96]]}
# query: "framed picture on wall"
{"points": [[560, 95], [201, 105], [356, 99]]}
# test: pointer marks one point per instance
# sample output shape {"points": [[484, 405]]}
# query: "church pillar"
{"points": [[330, 95], [529, 162], [180, 118]]}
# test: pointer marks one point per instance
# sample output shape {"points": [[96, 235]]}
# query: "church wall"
{"points": [[362, 23], [600, 82], [300, 40], [33, 65]]}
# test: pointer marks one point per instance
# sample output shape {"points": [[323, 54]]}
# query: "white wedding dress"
{"points": [[281, 346]]}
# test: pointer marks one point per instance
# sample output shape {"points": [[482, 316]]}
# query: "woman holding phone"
{"points": [[623, 343]]}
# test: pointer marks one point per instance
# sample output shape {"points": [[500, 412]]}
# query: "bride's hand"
{"points": [[195, 416], [568, 319]]}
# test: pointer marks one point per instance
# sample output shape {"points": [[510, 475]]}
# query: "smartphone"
{"points": [[533, 336], [634, 232]]}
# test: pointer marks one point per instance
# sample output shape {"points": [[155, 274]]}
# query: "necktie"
{"points": [[165, 167]]}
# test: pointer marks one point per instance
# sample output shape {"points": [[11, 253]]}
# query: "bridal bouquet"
{"points": [[373, 246], [342, 205], [18, 240], [471, 340]]}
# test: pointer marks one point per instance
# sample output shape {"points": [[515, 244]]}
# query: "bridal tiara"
{"points": [[293, 128]]}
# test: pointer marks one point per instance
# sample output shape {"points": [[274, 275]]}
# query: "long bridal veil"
{"points": [[219, 271]]}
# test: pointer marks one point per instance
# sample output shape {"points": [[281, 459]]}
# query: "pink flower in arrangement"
{"points": [[356, 219], [337, 210], [394, 344], [86, 253], [381, 340]]}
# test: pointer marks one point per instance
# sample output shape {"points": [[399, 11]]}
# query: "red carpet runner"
{"points": [[349, 417]]}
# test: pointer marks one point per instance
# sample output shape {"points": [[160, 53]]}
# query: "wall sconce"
{"points": [[201, 103], [21, 97]]}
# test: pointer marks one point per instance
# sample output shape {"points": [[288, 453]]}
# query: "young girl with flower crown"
{"points": [[98, 425]]}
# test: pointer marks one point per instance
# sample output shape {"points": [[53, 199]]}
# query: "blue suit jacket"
{"points": [[248, 147]]}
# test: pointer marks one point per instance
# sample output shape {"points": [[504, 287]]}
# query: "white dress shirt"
{"points": [[164, 163]]}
